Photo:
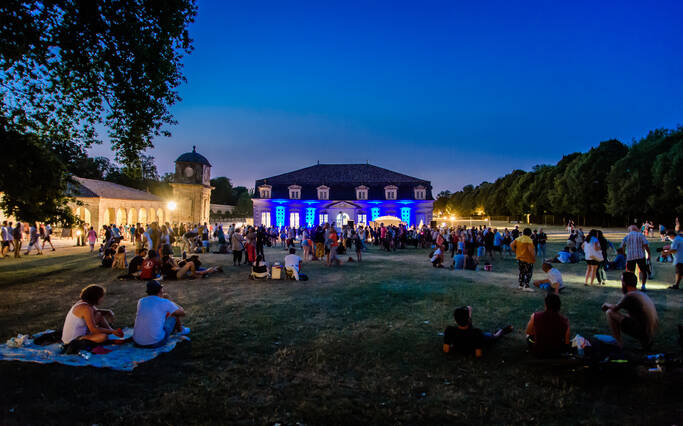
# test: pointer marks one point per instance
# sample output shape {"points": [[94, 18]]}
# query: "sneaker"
{"points": [[674, 287], [527, 289]]}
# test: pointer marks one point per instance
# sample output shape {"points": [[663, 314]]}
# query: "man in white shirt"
{"points": [[5, 240], [552, 281], [293, 263], [157, 318]]}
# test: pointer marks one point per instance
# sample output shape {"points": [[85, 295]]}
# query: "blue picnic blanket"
{"points": [[121, 358]]}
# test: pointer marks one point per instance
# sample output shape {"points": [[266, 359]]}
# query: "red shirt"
{"points": [[150, 268]]}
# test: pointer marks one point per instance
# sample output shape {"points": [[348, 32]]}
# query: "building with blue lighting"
{"points": [[339, 193]]}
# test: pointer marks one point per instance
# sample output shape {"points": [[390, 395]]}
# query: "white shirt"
{"points": [[5, 234], [437, 253], [555, 276], [150, 319], [292, 261]]}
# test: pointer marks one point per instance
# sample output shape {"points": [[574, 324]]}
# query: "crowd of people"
{"points": [[34, 235]]}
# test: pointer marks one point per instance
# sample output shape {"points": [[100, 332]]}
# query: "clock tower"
{"points": [[192, 188]]}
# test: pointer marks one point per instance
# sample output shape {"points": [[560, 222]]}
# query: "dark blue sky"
{"points": [[455, 92]]}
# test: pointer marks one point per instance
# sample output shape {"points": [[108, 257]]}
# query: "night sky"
{"points": [[455, 92]]}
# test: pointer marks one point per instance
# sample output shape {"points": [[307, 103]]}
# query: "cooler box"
{"points": [[276, 273]]}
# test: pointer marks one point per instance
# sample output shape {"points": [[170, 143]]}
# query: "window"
{"points": [[361, 192], [374, 213], [390, 192], [294, 219], [280, 216], [310, 216], [323, 192], [362, 219], [295, 192], [265, 219], [323, 218], [264, 191], [405, 215], [420, 192]]}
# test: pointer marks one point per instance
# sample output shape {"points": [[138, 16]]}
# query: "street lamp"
{"points": [[171, 205]]}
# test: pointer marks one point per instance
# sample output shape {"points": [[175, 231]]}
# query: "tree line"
{"points": [[611, 184]]}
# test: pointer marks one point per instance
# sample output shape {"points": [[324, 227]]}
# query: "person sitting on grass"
{"points": [[151, 266], [563, 256], [135, 264], [157, 318], [463, 338], [260, 269], [85, 322], [548, 331], [553, 280], [293, 263], [458, 260], [120, 261], [108, 257], [437, 257], [619, 262], [470, 262], [640, 321]]}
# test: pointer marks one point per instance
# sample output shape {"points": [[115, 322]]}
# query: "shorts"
{"points": [[634, 329], [5, 244], [592, 262], [679, 268], [642, 265]]}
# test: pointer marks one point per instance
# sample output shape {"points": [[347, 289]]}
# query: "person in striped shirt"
{"points": [[636, 247]]}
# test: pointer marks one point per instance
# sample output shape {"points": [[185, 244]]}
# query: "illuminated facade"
{"points": [[339, 193]]}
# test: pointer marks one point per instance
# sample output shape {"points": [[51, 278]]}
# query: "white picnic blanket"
{"points": [[121, 358]]}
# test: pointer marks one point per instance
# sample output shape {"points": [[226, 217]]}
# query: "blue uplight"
{"points": [[280, 201], [374, 202], [405, 215], [309, 202], [280, 216], [310, 216], [374, 213], [405, 202]]}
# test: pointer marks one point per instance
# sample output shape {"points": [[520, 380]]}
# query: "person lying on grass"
{"points": [[467, 340], [157, 318], [186, 269], [85, 322], [553, 280], [548, 331], [640, 321]]}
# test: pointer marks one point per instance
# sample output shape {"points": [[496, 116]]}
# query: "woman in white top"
{"points": [[85, 321]]}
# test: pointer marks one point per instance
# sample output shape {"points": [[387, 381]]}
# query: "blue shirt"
{"points": [[678, 246], [497, 239], [459, 260]]}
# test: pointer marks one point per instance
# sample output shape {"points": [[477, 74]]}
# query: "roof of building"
{"points": [[91, 188], [342, 179], [193, 157]]}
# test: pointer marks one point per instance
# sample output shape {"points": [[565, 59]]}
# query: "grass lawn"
{"points": [[355, 344]]}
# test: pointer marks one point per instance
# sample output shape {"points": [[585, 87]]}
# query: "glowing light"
{"points": [[405, 215], [280, 201], [374, 213], [310, 216], [374, 202], [452, 218], [171, 205], [405, 202], [280, 216], [79, 233]]}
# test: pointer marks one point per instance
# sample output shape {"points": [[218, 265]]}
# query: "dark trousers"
{"points": [[236, 257], [526, 270]]}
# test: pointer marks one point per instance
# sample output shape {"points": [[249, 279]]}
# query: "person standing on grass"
{"points": [[334, 244], [4, 249], [541, 241], [591, 247], [45, 234], [548, 331], [358, 244], [33, 241], [526, 257], [636, 247], [640, 321], [17, 240], [677, 251]]}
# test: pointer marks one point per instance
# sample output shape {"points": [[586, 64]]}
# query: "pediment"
{"points": [[343, 205]]}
